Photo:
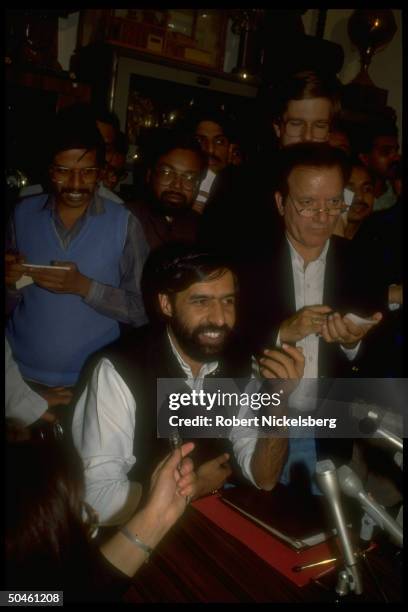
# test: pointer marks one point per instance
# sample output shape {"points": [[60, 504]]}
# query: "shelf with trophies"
{"points": [[32, 51]]}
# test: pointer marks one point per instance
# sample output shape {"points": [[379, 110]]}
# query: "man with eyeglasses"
{"points": [[311, 272], [302, 295], [176, 166], [87, 255], [303, 107]]}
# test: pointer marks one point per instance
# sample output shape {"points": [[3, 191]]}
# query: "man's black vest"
{"points": [[141, 357]]}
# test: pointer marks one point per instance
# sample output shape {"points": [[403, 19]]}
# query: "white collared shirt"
{"points": [[204, 189], [309, 284]]}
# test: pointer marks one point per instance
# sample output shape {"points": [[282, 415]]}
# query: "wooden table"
{"points": [[199, 562]]}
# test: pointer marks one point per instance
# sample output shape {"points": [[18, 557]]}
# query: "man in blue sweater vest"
{"points": [[98, 249]]}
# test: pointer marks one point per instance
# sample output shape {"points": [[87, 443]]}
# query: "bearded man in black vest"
{"points": [[114, 425]]}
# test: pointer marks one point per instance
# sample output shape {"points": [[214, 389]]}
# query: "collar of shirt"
{"points": [[298, 259], [387, 199], [103, 192], [206, 368], [96, 207]]}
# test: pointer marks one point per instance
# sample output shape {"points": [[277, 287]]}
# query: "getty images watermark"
{"points": [[213, 407], [250, 401]]}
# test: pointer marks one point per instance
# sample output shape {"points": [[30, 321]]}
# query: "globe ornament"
{"points": [[370, 31]]}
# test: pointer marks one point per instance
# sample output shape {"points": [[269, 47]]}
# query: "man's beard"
{"points": [[191, 343], [166, 206]]}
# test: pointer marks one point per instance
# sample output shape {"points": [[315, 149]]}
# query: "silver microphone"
{"points": [[326, 477], [351, 485], [370, 425]]}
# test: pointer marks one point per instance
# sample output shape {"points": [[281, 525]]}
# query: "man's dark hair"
{"points": [[163, 141], [375, 130], [74, 127], [310, 155], [304, 86], [216, 115], [356, 162], [175, 267]]}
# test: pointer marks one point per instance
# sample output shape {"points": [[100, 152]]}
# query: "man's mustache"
{"points": [[83, 191], [359, 203], [204, 329], [177, 194]]}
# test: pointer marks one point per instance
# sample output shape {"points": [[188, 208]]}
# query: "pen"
{"points": [[300, 568], [176, 441]]}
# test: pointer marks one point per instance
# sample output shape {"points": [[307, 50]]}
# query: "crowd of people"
{"points": [[285, 264]]}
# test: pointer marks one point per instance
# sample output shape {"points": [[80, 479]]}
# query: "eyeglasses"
{"points": [[308, 209], [62, 173], [167, 175], [297, 127]]}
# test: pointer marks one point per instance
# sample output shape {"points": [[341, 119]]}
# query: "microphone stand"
{"points": [[349, 579]]}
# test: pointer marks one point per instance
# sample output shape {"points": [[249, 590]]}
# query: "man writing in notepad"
{"points": [[98, 248]]}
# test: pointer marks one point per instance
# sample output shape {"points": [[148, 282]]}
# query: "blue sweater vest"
{"points": [[52, 334]]}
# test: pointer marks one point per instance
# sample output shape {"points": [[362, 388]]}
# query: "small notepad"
{"points": [[23, 281]]}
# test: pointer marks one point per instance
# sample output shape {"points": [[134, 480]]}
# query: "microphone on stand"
{"points": [[388, 419], [352, 486], [326, 477]]}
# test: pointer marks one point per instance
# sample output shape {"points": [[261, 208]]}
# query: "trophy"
{"points": [[370, 30]]}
